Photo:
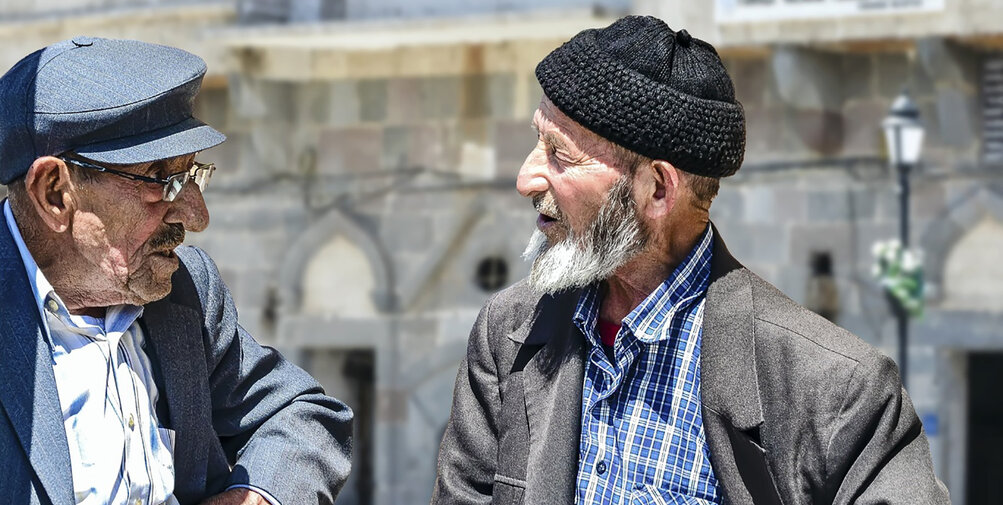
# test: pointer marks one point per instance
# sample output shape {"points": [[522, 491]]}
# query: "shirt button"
{"points": [[52, 305], [601, 468], [132, 422]]}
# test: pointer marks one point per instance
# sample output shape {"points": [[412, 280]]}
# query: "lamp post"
{"points": [[904, 135]]}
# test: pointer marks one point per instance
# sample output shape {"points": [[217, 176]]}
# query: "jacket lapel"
{"points": [[29, 394], [732, 412], [553, 391], [172, 331]]}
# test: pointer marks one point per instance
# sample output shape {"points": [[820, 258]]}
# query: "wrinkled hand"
{"points": [[238, 496]]}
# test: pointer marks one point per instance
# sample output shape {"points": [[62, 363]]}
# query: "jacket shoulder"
{"points": [[778, 318]]}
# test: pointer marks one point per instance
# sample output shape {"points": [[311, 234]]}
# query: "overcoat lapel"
{"points": [[172, 331], [553, 391], [29, 394], [732, 411]]}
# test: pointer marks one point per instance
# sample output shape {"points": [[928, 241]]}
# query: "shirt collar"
{"points": [[687, 284], [117, 318]]}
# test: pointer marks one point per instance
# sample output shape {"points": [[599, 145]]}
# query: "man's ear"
{"points": [[51, 192], [661, 183]]}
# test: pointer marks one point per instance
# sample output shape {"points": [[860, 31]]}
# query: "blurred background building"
{"points": [[365, 205]]}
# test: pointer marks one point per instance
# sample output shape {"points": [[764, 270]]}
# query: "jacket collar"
{"points": [[29, 393], [172, 325], [728, 378]]}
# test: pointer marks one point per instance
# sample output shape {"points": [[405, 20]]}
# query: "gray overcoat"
{"points": [[241, 413], [796, 409]]}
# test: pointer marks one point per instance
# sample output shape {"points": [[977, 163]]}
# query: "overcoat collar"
{"points": [[29, 395]]}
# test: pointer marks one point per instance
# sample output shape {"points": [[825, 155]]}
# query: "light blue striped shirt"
{"points": [[119, 453]]}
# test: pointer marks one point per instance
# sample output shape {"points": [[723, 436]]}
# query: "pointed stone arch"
{"points": [[981, 204], [338, 231]]}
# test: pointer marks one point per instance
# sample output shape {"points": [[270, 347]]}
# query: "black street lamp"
{"points": [[904, 135]]}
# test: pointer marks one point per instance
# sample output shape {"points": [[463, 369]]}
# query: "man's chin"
{"points": [[153, 286]]}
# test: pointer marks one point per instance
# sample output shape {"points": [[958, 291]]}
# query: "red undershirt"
{"points": [[608, 331]]}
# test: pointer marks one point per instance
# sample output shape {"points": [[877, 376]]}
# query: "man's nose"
{"points": [[532, 178], [189, 209]]}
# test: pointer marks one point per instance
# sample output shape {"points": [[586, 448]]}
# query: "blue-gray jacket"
{"points": [[232, 403]]}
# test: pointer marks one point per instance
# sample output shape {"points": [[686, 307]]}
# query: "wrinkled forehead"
{"points": [[556, 127]]}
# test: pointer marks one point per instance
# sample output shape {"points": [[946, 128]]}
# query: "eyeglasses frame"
{"points": [[188, 175]]}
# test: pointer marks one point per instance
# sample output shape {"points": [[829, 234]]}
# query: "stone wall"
{"points": [[362, 187]]}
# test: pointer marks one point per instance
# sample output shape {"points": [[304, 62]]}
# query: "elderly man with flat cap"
{"points": [[126, 378], [640, 363]]}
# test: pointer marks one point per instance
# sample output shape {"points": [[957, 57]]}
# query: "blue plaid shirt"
{"points": [[642, 439]]}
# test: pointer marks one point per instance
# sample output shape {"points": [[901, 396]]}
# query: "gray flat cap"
{"points": [[112, 101]]}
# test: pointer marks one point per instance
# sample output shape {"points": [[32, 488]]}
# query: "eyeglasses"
{"points": [[173, 184]]}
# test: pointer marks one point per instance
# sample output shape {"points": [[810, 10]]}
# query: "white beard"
{"points": [[612, 239]]}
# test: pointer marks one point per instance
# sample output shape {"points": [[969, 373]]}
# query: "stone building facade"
{"points": [[364, 208]]}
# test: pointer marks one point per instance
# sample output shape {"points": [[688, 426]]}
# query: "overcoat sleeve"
{"points": [[878, 453], [469, 451], [279, 430]]}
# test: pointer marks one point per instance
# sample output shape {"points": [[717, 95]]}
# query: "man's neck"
{"points": [[637, 279]]}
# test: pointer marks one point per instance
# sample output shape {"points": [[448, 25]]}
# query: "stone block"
{"points": [[821, 131], [841, 205], [428, 147], [765, 128], [350, 150], [391, 405], [535, 93], [404, 100], [751, 77], [373, 99], [790, 205], [406, 231], [226, 156], [344, 103], [396, 147], [263, 99], [832, 238], [864, 136], [928, 201], [956, 117], [440, 97], [487, 96], [212, 106], [769, 244], [894, 74], [808, 79], [313, 100], [857, 76], [514, 139], [760, 206], [729, 205], [948, 63]]}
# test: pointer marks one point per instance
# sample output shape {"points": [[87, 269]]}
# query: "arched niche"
{"points": [[335, 280], [973, 273], [340, 266], [944, 234]]}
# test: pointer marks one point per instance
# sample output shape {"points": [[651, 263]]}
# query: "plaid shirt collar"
{"points": [[686, 285]]}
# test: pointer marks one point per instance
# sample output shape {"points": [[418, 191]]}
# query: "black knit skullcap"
{"points": [[657, 92]]}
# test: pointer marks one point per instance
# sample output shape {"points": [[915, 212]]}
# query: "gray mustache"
{"points": [[548, 206], [172, 236]]}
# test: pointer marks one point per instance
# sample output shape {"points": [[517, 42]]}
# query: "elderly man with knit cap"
{"points": [[640, 363], [125, 377]]}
